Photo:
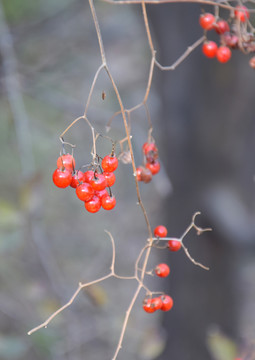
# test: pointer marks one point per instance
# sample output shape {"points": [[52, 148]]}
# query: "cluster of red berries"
{"points": [[232, 36], [163, 302], [152, 165], [90, 185]]}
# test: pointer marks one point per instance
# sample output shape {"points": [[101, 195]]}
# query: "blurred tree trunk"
{"points": [[207, 146]]}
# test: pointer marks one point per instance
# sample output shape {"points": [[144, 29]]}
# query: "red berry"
{"points": [[67, 161], [110, 178], [98, 182], [88, 176], [174, 245], [209, 49], [162, 270], [148, 306], [221, 27], [230, 40], [160, 231], [150, 147], [62, 178], [108, 202], [109, 163], [223, 54], [157, 303], [84, 191], [139, 173], [101, 193], [167, 303], [206, 21], [143, 174], [153, 167], [93, 205], [242, 13], [77, 178]]}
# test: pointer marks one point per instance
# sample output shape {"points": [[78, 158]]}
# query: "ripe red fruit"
{"points": [[84, 191], [67, 161], [221, 27], [88, 176], [143, 174], [157, 303], [160, 231], [206, 21], [62, 178], [148, 306], [77, 178], [110, 178], [109, 163], [153, 167], [223, 54], [167, 302], [108, 202], [242, 13], [174, 245], [162, 270], [150, 147], [98, 182], [93, 205], [101, 193], [209, 49]]}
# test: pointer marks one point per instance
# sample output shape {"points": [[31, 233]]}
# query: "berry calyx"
{"points": [[153, 167], [84, 191], [223, 54], [98, 182], [174, 245], [160, 231], [93, 205], [242, 13], [206, 21], [77, 178], [162, 270], [62, 178], [66, 161], [108, 202], [110, 178], [167, 303], [221, 26], [209, 49], [109, 163]]}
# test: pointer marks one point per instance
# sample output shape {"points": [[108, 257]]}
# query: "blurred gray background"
{"points": [[203, 118]]}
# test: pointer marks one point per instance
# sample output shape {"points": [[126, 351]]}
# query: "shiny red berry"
{"points": [[93, 205], [150, 147], [110, 178], [174, 245], [109, 163], [101, 193], [148, 306], [221, 26], [167, 302], [209, 49], [143, 174], [242, 13], [98, 182], [157, 303], [108, 202], [62, 178], [160, 231], [153, 167], [85, 191], [223, 54], [67, 161], [88, 176], [206, 21], [77, 178], [162, 270]]}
